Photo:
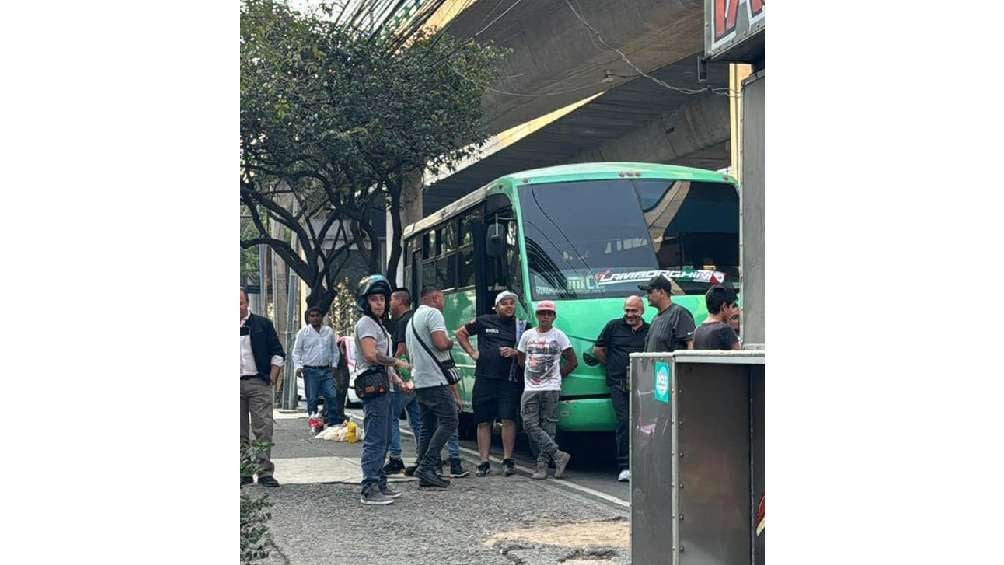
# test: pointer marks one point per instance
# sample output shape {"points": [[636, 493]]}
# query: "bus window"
{"points": [[602, 238], [465, 260], [428, 241], [503, 270], [439, 242], [442, 273], [512, 262], [449, 237], [406, 261], [428, 274]]}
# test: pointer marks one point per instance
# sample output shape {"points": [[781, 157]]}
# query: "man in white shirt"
{"points": [[541, 351], [315, 357], [261, 362]]}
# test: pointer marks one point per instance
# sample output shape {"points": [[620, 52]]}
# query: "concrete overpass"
{"points": [[566, 51], [561, 49], [639, 120]]}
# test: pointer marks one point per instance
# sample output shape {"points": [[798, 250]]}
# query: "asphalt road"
{"points": [[593, 464], [492, 520]]}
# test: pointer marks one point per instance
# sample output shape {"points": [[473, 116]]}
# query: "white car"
{"points": [[347, 344]]}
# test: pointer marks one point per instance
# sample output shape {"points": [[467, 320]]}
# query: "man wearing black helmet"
{"points": [[373, 354]]}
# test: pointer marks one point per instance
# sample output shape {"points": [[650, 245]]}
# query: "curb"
{"points": [[474, 457]]}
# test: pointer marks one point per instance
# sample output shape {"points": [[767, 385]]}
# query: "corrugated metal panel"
{"points": [[697, 457], [752, 198]]}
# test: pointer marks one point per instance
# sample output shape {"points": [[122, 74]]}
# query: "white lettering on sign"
{"points": [[704, 276]]}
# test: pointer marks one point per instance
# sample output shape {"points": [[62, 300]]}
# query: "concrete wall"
{"points": [[752, 222]]}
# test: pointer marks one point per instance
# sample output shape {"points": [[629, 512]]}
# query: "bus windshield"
{"points": [[601, 238]]}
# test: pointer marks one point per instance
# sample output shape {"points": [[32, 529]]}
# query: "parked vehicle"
{"points": [[584, 236]]}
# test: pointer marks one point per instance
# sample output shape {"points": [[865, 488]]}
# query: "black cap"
{"points": [[657, 281]]}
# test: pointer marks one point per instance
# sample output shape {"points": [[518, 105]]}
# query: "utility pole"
{"points": [[279, 296], [292, 301], [260, 307]]}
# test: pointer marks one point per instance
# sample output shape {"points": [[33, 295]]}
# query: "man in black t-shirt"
{"points": [[497, 384], [716, 332], [673, 328], [619, 339], [401, 312]]}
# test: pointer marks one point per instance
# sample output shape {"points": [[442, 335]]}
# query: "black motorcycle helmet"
{"points": [[373, 284]]}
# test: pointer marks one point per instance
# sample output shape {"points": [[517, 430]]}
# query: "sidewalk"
{"points": [[317, 517]]}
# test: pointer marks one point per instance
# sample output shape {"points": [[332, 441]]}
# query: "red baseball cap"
{"points": [[547, 305]]}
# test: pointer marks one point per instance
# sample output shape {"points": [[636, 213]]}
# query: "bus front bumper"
{"points": [[586, 415]]}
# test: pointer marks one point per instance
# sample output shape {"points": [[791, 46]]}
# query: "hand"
{"points": [[507, 351], [475, 355], [299, 372], [408, 386], [460, 403], [402, 364]]}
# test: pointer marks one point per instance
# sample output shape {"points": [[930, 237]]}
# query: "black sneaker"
{"points": [[508, 467], [457, 470], [409, 471], [427, 477], [268, 481], [484, 469], [389, 492], [246, 480], [393, 466], [374, 496]]}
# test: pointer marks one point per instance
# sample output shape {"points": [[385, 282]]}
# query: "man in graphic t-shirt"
{"points": [[540, 352]]}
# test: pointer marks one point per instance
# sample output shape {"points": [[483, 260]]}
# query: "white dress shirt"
{"points": [[248, 365], [317, 348]]}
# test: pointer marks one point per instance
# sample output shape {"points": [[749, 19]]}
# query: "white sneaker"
{"points": [[625, 476]]}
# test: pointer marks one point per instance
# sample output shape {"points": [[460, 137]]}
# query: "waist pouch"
{"points": [[371, 382]]}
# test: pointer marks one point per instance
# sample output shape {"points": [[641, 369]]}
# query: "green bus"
{"points": [[585, 236]]}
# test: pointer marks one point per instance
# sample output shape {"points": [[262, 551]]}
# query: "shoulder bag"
{"points": [[448, 368]]}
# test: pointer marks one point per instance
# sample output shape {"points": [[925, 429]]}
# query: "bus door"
{"points": [[499, 260]]}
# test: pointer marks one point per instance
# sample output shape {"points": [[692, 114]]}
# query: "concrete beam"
{"points": [[682, 136]]}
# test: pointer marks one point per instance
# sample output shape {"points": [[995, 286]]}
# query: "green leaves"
{"points": [[332, 112], [255, 511]]}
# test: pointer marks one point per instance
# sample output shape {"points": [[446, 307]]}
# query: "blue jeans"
{"points": [[410, 403], [377, 427], [321, 382]]}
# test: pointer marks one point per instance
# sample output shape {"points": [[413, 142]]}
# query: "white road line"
{"points": [[565, 483]]}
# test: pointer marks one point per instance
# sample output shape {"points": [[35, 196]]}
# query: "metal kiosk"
{"points": [[697, 457]]}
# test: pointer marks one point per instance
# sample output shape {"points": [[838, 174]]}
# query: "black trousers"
{"points": [[439, 423], [622, 408]]}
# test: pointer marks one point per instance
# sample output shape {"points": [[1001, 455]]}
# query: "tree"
{"points": [[335, 118]]}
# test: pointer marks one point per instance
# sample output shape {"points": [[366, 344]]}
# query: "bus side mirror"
{"points": [[495, 240]]}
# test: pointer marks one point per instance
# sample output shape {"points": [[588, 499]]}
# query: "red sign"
{"points": [[726, 15]]}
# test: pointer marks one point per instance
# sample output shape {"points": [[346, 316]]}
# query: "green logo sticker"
{"points": [[661, 386]]}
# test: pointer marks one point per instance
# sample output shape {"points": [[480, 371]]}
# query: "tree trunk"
{"points": [[405, 209], [395, 240], [320, 297]]}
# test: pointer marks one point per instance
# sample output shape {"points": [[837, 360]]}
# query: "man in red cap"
{"points": [[540, 352]]}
